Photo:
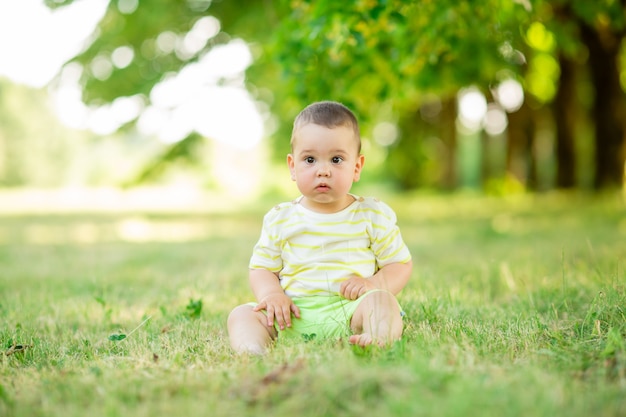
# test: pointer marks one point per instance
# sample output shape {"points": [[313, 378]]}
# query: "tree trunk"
{"points": [[519, 158], [564, 110], [448, 137], [405, 158], [608, 107]]}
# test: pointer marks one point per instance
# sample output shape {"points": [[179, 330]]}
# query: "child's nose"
{"points": [[324, 170]]}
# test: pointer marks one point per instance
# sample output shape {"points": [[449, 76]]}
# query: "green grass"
{"points": [[517, 307]]}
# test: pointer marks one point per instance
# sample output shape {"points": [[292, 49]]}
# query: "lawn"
{"points": [[516, 307]]}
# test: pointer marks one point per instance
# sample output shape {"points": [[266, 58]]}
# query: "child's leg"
{"points": [[248, 330], [377, 319]]}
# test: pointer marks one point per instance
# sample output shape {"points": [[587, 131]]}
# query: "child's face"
{"points": [[324, 163]]}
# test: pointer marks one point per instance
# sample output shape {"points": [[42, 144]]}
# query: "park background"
{"points": [[142, 141]]}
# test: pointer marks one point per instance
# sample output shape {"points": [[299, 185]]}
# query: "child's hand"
{"points": [[278, 306], [355, 286]]}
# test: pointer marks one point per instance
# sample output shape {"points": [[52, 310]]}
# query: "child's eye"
{"points": [[309, 160], [337, 159]]}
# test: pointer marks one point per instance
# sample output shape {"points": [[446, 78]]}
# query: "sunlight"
{"points": [[385, 133], [139, 229], [106, 119], [32, 58], [207, 96], [192, 100], [472, 108], [495, 121], [510, 95], [193, 42], [122, 56], [237, 170], [476, 114]]}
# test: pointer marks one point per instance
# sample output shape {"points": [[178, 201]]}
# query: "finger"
{"points": [[280, 318], [342, 292], [259, 307], [346, 291], [270, 315], [287, 315], [295, 310], [353, 292], [362, 290]]}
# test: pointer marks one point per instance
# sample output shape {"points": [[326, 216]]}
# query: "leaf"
{"points": [[117, 337], [193, 309]]}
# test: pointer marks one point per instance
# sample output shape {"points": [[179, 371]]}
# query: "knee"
{"points": [[381, 299], [244, 318], [377, 305], [240, 314], [378, 315]]}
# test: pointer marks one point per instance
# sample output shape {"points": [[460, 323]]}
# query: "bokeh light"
{"points": [[385, 133], [495, 120], [472, 108], [38, 41], [122, 56], [510, 95]]}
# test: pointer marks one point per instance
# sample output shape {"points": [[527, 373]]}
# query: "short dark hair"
{"points": [[329, 114]]}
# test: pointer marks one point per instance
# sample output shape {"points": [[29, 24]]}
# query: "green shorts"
{"points": [[321, 317]]}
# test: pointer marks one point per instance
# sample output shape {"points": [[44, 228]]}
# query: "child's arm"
{"points": [[272, 298], [392, 277]]}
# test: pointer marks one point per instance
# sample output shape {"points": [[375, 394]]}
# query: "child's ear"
{"points": [[358, 167], [292, 166]]}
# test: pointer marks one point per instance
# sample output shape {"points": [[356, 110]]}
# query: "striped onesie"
{"points": [[314, 252]]}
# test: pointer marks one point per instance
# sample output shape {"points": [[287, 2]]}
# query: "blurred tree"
{"points": [[33, 143], [138, 29], [438, 47], [37, 150], [602, 29], [158, 39], [411, 57], [399, 63], [374, 56], [585, 40]]}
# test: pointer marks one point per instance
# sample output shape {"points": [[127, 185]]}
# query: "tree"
{"points": [[394, 62], [394, 54], [589, 38], [603, 40], [156, 40]]}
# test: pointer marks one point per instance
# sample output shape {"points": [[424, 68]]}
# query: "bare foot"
{"points": [[364, 339]]}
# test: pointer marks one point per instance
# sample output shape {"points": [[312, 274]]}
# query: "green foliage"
{"points": [[138, 30], [193, 309], [53, 4], [188, 150], [117, 337], [383, 58], [35, 148], [153, 60], [391, 50]]}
